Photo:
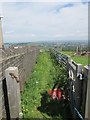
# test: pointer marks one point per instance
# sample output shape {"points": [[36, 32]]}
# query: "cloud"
{"points": [[0, 8], [39, 21], [66, 5], [59, 35], [33, 35], [63, 35], [45, 1], [9, 32], [72, 35]]}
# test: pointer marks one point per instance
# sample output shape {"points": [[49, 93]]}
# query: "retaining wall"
{"points": [[24, 59]]}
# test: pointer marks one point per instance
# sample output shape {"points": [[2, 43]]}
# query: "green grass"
{"points": [[78, 59], [35, 100], [67, 53], [40, 80], [81, 59]]}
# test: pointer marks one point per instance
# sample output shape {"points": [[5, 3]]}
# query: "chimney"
{"points": [[1, 35]]}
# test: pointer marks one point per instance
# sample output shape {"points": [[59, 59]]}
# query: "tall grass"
{"points": [[36, 102], [40, 81]]}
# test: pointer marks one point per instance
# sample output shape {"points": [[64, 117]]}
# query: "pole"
{"points": [[1, 36]]}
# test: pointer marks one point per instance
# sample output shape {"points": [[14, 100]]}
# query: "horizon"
{"points": [[62, 41]]}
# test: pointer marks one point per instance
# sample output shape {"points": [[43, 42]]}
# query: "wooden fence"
{"points": [[78, 85]]}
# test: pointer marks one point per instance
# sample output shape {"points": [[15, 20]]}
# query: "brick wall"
{"points": [[24, 59]]}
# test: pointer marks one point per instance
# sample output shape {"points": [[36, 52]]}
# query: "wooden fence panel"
{"points": [[79, 80], [86, 93]]}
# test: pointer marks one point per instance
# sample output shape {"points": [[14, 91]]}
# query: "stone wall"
{"points": [[24, 59]]}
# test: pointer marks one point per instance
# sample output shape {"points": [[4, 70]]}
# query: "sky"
{"points": [[33, 21]]}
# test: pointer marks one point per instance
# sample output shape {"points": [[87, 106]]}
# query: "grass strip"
{"points": [[35, 100]]}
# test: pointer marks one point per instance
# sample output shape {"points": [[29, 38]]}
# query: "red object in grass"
{"points": [[59, 94], [54, 95]]}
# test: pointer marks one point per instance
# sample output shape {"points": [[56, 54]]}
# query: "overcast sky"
{"points": [[44, 21]]}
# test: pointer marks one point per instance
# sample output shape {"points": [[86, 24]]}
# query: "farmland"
{"points": [[36, 102], [78, 59]]}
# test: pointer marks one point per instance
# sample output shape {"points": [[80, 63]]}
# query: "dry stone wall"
{"points": [[24, 59]]}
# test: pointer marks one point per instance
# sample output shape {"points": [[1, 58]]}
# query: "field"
{"points": [[78, 59], [36, 102]]}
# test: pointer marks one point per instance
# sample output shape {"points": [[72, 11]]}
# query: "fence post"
{"points": [[86, 93], [78, 86], [69, 59], [13, 91], [0, 99], [0, 84], [79, 68], [78, 89]]}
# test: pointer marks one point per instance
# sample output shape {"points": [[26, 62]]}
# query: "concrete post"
{"points": [[13, 91], [1, 36]]}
